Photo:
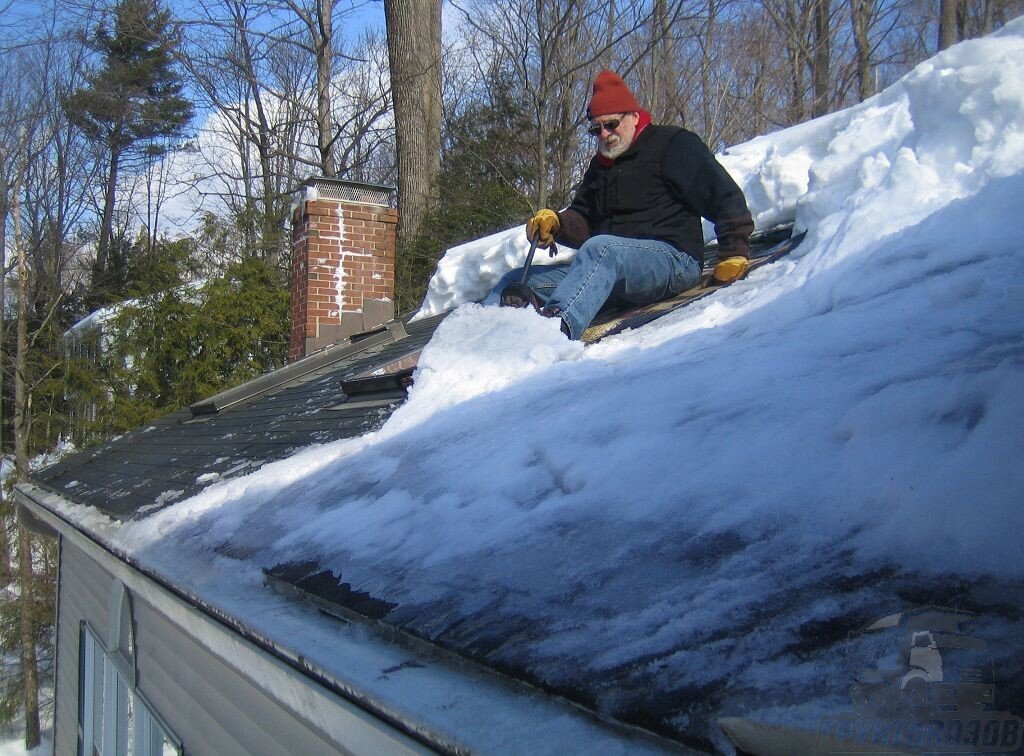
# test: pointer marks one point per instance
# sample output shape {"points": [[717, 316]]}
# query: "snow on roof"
{"points": [[94, 320], [685, 521]]}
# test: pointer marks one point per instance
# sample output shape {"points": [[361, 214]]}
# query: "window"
{"points": [[113, 718]]}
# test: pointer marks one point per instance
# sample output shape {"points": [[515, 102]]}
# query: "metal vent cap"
{"points": [[347, 191]]}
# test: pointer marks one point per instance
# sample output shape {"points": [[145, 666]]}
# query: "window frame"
{"points": [[115, 719]]}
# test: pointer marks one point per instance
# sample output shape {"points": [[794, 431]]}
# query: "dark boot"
{"points": [[520, 295], [548, 311]]}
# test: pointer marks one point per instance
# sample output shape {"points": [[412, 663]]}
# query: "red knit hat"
{"points": [[611, 95]]}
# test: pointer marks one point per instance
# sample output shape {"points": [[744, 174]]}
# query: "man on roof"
{"points": [[635, 218]]}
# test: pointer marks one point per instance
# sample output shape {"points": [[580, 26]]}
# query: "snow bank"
{"points": [[479, 350], [466, 273]]}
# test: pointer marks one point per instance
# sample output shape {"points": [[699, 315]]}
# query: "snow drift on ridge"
{"points": [[941, 132]]}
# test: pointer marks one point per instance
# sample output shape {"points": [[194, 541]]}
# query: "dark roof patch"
{"points": [[238, 431]]}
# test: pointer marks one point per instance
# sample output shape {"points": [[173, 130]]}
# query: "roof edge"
{"points": [[422, 646], [43, 506], [368, 709]]}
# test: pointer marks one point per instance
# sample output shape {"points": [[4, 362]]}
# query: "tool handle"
{"points": [[529, 257]]}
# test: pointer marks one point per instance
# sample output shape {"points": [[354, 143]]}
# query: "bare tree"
{"points": [[702, 100], [31, 583], [758, 89], [45, 176], [551, 51], [243, 141], [317, 17], [21, 430], [367, 152], [659, 85], [806, 27], [22, 422], [873, 26], [790, 17], [266, 74], [709, 95]]}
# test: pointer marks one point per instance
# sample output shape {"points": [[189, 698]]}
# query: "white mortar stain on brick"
{"points": [[343, 257], [341, 298]]}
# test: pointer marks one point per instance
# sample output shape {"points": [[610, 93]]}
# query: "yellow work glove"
{"points": [[729, 269], [545, 225]]}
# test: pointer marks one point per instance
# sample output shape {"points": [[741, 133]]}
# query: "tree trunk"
{"points": [[106, 223], [6, 572], [542, 164], [948, 23], [324, 40], [21, 347], [21, 461], [659, 98], [987, 18], [261, 129], [4, 212], [613, 18], [565, 109], [822, 61], [796, 70], [414, 53], [859, 20], [29, 662], [708, 94]]}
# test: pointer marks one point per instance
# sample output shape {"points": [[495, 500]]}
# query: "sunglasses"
{"points": [[595, 129]]}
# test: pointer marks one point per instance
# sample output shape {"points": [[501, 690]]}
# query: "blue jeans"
{"points": [[610, 270]]}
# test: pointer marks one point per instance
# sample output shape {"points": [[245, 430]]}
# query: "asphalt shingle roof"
{"points": [[177, 455]]}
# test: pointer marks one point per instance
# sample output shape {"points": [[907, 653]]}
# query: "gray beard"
{"points": [[613, 152]]}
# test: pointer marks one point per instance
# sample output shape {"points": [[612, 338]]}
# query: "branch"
{"points": [[46, 320]]}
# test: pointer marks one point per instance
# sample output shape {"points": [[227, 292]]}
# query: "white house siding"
{"points": [[83, 589], [211, 706]]}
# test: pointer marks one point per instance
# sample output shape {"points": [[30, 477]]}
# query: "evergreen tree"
{"points": [[179, 344], [486, 173], [132, 107]]}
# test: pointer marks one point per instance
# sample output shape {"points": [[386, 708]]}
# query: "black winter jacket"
{"points": [[660, 188]]}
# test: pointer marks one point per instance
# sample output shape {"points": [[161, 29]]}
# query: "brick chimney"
{"points": [[343, 262]]}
